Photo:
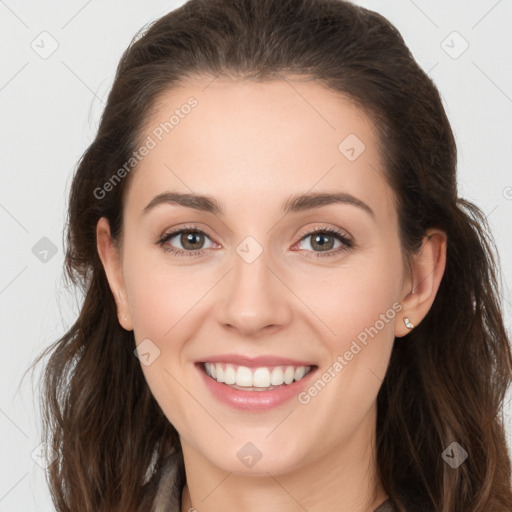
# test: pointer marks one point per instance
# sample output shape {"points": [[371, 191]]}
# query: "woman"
{"points": [[287, 306]]}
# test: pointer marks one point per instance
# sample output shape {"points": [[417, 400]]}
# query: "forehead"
{"points": [[256, 143]]}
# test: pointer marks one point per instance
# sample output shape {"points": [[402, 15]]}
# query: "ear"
{"points": [[427, 269], [111, 260]]}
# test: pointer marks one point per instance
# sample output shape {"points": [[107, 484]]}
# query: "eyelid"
{"points": [[322, 228], [165, 237], [345, 239]]}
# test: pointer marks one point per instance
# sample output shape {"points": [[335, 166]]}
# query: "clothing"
{"points": [[387, 506], [168, 498]]}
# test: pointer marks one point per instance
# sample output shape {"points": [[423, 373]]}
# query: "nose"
{"points": [[254, 298]]}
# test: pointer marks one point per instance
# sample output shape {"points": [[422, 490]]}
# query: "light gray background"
{"points": [[50, 109]]}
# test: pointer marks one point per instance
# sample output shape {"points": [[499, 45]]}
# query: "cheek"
{"points": [[353, 297], [346, 299], [159, 293], [162, 300], [360, 308], [358, 305]]}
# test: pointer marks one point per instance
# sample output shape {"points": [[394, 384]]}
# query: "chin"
{"points": [[256, 458]]}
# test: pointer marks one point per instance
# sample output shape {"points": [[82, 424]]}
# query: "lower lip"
{"points": [[254, 400]]}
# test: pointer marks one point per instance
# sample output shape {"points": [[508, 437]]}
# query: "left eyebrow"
{"points": [[312, 200], [297, 203]]}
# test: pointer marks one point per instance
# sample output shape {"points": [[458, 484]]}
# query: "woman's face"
{"points": [[252, 285]]}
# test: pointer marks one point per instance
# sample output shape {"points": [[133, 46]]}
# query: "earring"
{"points": [[408, 323]]}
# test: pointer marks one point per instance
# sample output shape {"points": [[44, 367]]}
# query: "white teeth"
{"points": [[289, 374], [243, 376], [263, 377], [277, 377], [300, 372], [229, 375]]}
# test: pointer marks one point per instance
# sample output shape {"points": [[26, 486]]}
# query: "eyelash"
{"points": [[339, 235]]}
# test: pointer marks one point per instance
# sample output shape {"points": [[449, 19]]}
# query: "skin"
{"points": [[251, 146]]}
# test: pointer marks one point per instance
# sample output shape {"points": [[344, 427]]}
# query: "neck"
{"points": [[344, 479]]}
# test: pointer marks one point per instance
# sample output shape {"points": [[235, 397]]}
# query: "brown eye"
{"points": [[191, 240], [187, 241], [322, 242]]}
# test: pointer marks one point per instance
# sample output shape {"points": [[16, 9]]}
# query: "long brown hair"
{"points": [[446, 380]]}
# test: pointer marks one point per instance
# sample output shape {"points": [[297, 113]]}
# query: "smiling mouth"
{"points": [[263, 378]]}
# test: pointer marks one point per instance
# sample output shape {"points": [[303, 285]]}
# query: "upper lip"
{"points": [[255, 362]]}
